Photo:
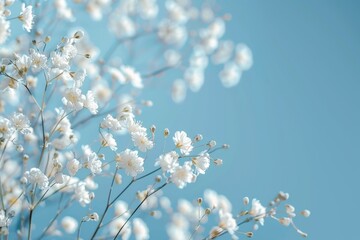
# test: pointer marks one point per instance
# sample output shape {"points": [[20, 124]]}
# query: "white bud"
{"points": [[79, 34], [285, 221], [118, 179], [305, 213], [212, 144], [289, 208], [246, 201], [218, 162]]}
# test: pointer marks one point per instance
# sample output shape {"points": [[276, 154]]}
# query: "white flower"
{"points": [[182, 175], [243, 57], [111, 123], [73, 99], [194, 78], [21, 123], [118, 223], [79, 77], [90, 103], [172, 57], [122, 26], [63, 11], [183, 142], [121, 209], [59, 61], [217, 28], [107, 140], [135, 127], [230, 75], [36, 176], [26, 17], [168, 161], [4, 221], [178, 91], [202, 162], [285, 221], [23, 64], [228, 223], [130, 161], [69, 224], [258, 211], [140, 230], [73, 166], [69, 51], [81, 194], [172, 33], [117, 75], [38, 60], [132, 76], [141, 141], [4, 29], [223, 53], [93, 163]]}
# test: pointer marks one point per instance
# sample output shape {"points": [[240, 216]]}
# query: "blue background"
{"points": [[293, 121]]}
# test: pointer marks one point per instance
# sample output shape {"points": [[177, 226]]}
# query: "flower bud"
{"points": [[245, 201], [166, 132], [305, 213], [79, 34]]}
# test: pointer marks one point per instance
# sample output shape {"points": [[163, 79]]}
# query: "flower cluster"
{"points": [[69, 120]]}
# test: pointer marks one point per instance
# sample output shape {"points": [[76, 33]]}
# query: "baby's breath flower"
{"points": [[258, 211], [21, 123], [168, 161], [141, 141], [140, 229], [69, 224], [26, 17], [130, 162], [182, 175], [36, 176], [202, 162], [4, 29], [183, 142]]}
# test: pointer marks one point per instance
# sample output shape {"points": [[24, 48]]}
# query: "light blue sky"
{"points": [[293, 121]]}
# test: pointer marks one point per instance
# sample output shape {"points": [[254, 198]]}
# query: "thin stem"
{"points": [[157, 72], [30, 223], [54, 218], [132, 214], [107, 206], [148, 174], [78, 232]]}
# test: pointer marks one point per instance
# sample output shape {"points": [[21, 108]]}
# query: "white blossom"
{"points": [[141, 141], [107, 140], [38, 60], [182, 175], [69, 224], [4, 29], [183, 142], [132, 76], [21, 123], [202, 162], [168, 161], [130, 162], [140, 230], [258, 211], [26, 17], [73, 165], [243, 57], [36, 176]]}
